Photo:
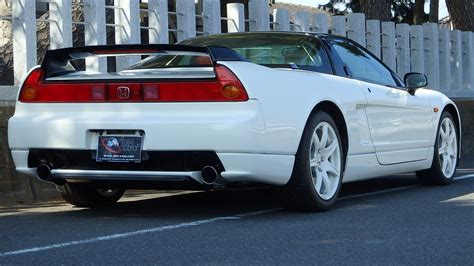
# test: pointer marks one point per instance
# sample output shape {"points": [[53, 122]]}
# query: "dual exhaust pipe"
{"points": [[43, 172], [209, 174]]}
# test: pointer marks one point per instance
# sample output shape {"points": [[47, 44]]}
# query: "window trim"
{"points": [[327, 39], [322, 45]]}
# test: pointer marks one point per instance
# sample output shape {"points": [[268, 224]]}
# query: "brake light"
{"points": [[226, 87], [29, 90]]}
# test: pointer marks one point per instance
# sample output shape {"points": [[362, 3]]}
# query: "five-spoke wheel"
{"points": [[447, 147], [445, 157], [325, 160], [317, 172]]}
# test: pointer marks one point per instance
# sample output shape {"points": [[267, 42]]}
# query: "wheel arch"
{"points": [[454, 112], [335, 112]]}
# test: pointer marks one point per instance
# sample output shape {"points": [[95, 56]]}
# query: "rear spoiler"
{"points": [[58, 60]]}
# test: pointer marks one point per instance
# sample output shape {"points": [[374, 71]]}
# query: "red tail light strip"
{"points": [[35, 90]]}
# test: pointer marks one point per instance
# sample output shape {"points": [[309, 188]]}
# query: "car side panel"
{"points": [[288, 97]]}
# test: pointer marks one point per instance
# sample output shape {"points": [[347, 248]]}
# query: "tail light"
{"points": [[226, 87]]}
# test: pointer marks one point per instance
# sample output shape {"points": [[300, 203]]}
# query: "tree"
{"points": [[418, 17], [384, 10], [403, 11], [329, 7], [434, 11], [462, 14], [373, 9]]}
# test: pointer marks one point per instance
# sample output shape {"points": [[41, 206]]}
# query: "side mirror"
{"points": [[414, 81]]}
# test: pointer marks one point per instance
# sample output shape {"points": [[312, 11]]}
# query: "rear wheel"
{"points": [[84, 195], [445, 157], [317, 173]]}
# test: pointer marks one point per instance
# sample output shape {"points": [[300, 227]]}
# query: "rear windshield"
{"points": [[272, 49], [173, 61]]}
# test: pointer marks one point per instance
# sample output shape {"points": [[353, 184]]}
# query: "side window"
{"points": [[361, 64]]}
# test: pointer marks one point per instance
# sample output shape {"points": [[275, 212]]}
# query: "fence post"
{"points": [[158, 21], [95, 32], [301, 21], [24, 37], [211, 17], [403, 49], [236, 16], [456, 62], [320, 23], [60, 28], [417, 60], [431, 54], [338, 26], [373, 37], [444, 60], [281, 19], [266, 16], [468, 60], [388, 44], [127, 16], [186, 19], [259, 19], [356, 27]]}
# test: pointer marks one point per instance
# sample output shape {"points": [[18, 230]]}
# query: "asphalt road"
{"points": [[389, 220]]}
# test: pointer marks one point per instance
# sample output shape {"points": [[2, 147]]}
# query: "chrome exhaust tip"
{"points": [[209, 175], [43, 172]]}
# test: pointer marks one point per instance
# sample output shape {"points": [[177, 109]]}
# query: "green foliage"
{"points": [[402, 11]]}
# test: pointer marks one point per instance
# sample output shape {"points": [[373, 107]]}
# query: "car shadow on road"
{"points": [[203, 205]]}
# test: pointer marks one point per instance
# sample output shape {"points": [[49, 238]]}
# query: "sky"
{"points": [[443, 11]]}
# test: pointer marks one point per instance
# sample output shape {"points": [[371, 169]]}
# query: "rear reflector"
{"points": [[226, 87], [150, 92], [98, 93]]}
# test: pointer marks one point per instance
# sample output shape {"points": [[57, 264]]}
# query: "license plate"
{"points": [[119, 149]]}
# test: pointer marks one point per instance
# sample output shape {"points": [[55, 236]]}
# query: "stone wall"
{"points": [[16, 188]]}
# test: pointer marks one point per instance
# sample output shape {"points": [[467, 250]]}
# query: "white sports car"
{"points": [[306, 112]]}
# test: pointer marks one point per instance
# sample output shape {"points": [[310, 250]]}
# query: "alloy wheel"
{"points": [[325, 160], [447, 147]]}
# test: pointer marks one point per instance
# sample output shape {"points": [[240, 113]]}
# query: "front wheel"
{"points": [[84, 195], [317, 173], [445, 157]]}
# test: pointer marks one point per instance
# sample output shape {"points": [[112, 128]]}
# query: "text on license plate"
{"points": [[119, 149]]}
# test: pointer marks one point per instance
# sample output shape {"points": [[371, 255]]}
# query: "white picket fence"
{"points": [[445, 56]]}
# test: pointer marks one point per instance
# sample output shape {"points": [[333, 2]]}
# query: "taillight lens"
{"points": [[226, 87], [29, 90]]}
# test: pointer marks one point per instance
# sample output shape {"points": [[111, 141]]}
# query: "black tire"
{"points": [[300, 192], [434, 175], [84, 195]]}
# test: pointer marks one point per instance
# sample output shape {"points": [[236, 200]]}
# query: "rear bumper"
{"points": [[239, 167], [235, 132]]}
